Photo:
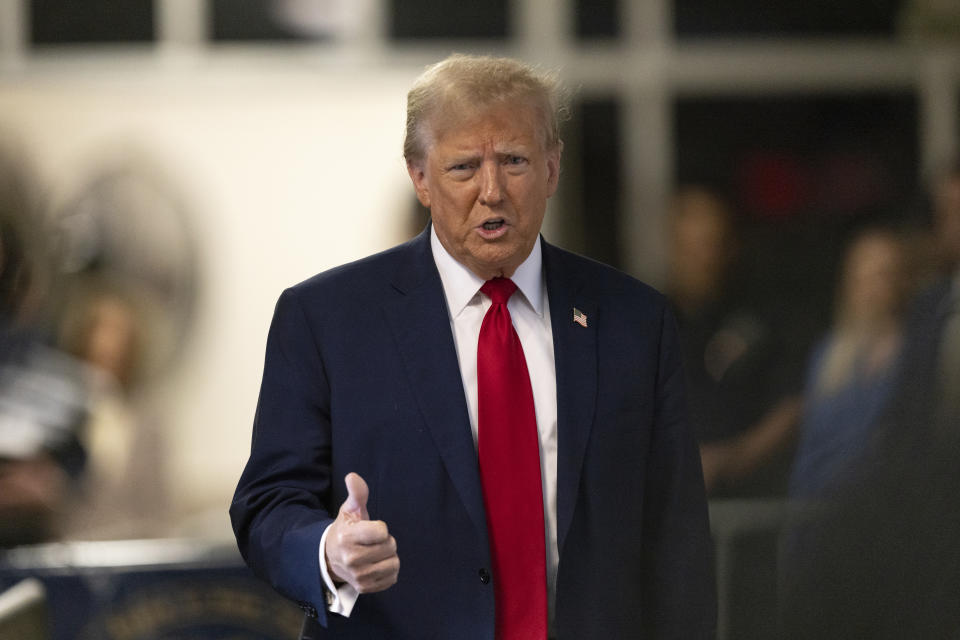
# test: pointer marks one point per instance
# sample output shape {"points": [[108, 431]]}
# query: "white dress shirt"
{"points": [[530, 313]]}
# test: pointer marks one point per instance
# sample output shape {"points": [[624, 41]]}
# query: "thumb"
{"points": [[357, 492]]}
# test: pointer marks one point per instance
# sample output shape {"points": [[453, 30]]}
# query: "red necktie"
{"points": [[509, 452]]}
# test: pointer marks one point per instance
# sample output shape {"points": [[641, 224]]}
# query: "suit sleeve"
{"points": [[679, 587], [281, 506]]}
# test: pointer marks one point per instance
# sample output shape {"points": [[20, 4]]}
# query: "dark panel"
{"points": [[250, 20], [599, 201], [597, 19], [204, 593], [412, 19], [787, 156], [91, 21], [812, 18], [753, 586]]}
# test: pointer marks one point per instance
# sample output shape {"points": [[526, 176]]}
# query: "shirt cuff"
{"points": [[340, 600]]}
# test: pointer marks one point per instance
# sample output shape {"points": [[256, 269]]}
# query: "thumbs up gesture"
{"points": [[361, 551]]}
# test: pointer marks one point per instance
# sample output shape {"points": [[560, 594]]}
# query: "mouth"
{"points": [[493, 228]]}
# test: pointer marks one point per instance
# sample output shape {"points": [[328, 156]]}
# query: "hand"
{"points": [[361, 551]]}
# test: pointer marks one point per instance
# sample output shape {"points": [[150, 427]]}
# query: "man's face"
{"points": [[486, 180]]}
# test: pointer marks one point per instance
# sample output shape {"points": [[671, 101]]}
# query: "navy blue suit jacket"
{"points": [[361, 375]]}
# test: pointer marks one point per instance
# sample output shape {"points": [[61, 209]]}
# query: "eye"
{"points": [[516, 160], [461, 166], [461, 171]]}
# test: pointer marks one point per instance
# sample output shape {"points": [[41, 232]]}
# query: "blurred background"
{"points": [[167, 167]]}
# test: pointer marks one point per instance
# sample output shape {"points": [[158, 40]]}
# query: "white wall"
{"points": [[289, 172]]}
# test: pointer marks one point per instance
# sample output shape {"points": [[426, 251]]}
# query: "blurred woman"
{"points": [[852, 371]]}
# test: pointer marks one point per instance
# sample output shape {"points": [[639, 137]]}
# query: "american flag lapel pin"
{"points": [[579, 317]]}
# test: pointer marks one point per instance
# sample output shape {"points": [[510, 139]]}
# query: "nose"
{"points": [[491, 184]]}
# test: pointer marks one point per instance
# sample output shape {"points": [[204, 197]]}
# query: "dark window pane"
{"points": [[708, 18], [841, 154], [264, 20], [91, 21], [411, 19], [591, 180], [598, 19]]}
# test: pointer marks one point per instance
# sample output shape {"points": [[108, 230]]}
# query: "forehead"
{"points": [[701, 218], [514, 122]]}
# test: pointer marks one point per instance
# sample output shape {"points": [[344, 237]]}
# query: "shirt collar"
{"points": [[460, 284]]}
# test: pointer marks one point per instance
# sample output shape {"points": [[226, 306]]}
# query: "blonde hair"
{"points": [[471, 83]]}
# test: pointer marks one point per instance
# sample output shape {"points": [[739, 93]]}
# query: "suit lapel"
{"points": [[417, 313], [575, 354]]}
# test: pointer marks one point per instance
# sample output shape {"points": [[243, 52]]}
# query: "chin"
{"points": [[499, 256]]}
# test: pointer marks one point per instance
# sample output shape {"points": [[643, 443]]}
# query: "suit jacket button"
{"points": [[484, 576]]}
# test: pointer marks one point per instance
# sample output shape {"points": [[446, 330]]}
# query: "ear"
{"points": [[417, 171], [553, 168]]}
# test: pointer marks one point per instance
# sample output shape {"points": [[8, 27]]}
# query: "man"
{"points": [[742, 416], [525, 456]]}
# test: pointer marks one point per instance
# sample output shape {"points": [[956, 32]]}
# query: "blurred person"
{"points": [[741, 412], [852, 371], [42, 396], [125, 253], [567, 499], [107, 336], [948, 353], [122, 492], [879, 559], [928, 394]]}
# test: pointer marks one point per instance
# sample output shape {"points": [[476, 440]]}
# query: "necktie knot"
{"points": [[499, 290]]}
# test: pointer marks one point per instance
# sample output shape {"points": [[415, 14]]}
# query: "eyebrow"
{"points": [[512, 150]]}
